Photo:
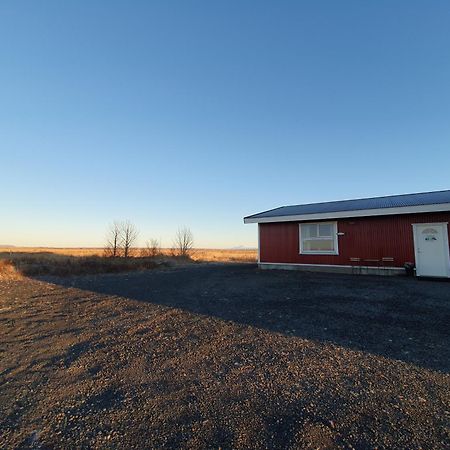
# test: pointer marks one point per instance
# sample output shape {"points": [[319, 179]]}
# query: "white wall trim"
{"points": [[334, 268], [259, 244], [443, 207], [304, 264]]}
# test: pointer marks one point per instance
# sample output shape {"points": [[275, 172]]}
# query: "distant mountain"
{"points": [[6, 246]]}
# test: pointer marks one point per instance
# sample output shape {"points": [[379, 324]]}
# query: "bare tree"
{"points": [[183, 242], [113, 240], [152, 248], [129, 234]]}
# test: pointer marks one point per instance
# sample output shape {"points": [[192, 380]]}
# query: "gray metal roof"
{"points": [[391, 201]]}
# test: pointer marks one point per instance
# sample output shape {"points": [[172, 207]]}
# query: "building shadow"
{"points": [[395, 317]]}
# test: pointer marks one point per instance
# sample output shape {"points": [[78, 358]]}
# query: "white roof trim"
{"points": [[357, 213]]}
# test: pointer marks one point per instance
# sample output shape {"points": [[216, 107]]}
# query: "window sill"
{"points": [[319, 253]]}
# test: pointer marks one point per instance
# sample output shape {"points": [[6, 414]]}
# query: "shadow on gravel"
{"points": [[395, 317]]}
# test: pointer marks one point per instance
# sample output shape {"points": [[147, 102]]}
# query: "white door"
{"points": [[431, 249]]}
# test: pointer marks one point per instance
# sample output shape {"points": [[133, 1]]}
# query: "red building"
{"points": [[373, 235]]}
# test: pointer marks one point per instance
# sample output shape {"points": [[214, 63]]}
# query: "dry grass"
{"points": [[31, 261], [8, 271], [32, 264], [199, 254], [211, 255], [69, 251]]}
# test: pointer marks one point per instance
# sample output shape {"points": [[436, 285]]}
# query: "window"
{"points": [[318, 238]]}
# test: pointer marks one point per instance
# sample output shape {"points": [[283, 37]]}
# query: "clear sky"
{"points": [[198, 113]]}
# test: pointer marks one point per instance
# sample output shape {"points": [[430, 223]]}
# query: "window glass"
{"points": [[429, 231], [318, 238], [325, 229], [309, 230], [321, 245]]}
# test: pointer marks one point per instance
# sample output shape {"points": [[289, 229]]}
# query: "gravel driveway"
{"points": [[225, 356]]}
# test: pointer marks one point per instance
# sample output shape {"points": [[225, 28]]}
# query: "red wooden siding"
{"points": [[364, 237]]}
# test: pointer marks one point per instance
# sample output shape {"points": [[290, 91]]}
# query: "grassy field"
{"points": [[19, 261], [198, 254]]}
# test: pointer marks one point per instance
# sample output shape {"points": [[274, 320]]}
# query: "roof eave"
{"points": [[347, 214]]}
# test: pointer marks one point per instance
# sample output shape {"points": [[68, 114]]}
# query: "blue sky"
{"points": [[197, 113]]}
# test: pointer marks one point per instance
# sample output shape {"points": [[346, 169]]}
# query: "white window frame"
{"points": [[319, 252]]}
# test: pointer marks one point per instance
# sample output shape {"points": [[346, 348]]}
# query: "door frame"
{"points": [[416, 254]]}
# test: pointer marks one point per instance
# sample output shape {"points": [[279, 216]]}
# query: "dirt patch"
{"points": [[224, 356]]}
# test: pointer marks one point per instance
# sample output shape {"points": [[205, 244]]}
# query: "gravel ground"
{"points": [[225, 356]]}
